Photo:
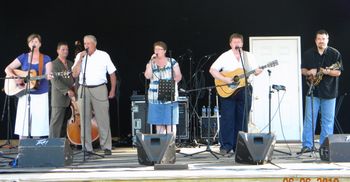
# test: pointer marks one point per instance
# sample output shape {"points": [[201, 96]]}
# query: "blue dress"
{"points": [[159, 112]]}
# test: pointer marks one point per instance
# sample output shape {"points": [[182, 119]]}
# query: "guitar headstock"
{"points": [[63, 74], [272, 63], [336, 65]]}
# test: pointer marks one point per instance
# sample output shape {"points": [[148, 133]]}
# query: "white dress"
{"points": [[39, 115]]}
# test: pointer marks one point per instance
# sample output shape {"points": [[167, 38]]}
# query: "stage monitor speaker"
{"points": [[155, 149], [53, 152], [336, 148], [254, 148]]}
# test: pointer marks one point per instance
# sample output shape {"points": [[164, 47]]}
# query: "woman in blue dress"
{"points": [[160, 68]]}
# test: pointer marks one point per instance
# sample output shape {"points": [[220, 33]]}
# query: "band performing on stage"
{"points": [[68, 99]]}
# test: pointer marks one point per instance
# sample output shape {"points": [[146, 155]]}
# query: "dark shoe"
{"points": [[305, 150], [224, 151], [107, 152]]}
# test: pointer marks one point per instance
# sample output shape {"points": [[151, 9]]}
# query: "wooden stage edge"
{"points": [[123, 165]]}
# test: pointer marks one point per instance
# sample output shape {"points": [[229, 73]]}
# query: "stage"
{"points": [[123, 165]]}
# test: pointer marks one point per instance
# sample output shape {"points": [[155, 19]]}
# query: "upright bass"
{"points": [[74, 126]]}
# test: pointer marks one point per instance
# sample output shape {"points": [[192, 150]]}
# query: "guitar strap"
{"points": [[41, 64]]}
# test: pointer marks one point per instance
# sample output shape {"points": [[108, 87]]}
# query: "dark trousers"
{"points": [[233, 118]]}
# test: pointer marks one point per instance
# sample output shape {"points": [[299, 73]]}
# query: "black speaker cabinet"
{"points": [[53, 152], [254, 148], [336, 148], [213, 126], [155, 148], [139, 117]]}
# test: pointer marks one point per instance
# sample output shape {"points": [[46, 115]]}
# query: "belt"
{"points": [[93, 86]]}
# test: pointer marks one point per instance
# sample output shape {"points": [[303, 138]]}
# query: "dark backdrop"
{"points": [[127, 30]]}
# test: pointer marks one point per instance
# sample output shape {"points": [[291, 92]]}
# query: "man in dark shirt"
{"points": [[322, 66]]}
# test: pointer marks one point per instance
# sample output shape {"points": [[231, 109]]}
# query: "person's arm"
{"points": [[77, 64], [177, 73], [13, 65], [217, 75], [331, 72], [48, 67], [9, 71], [113, 79]]}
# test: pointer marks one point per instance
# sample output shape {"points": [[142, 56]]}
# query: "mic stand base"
{"points": [[208, 149], [7, 145], [282, 152], [88, 153]]}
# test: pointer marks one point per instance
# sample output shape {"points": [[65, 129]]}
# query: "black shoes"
{"points": [[225, 152], [305, 150], [107, 152]]}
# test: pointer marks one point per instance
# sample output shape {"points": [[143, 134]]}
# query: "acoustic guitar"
{"points": [[12, 88], [226, 90]]}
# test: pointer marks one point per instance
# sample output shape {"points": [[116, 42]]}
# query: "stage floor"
{"points": [[123, 165]]}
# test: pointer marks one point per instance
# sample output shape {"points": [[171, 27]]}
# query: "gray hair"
{"points": [[91, 37]]}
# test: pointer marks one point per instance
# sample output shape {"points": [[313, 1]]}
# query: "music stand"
{"points": [[166, 91]]}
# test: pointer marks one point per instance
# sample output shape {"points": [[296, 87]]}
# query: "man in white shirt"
{"points": [[234, 108], [95, 91]]}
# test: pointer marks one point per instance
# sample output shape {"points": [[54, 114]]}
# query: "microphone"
{"points": [[237, 47], [87, 50], [154, 56], [279, 87]]}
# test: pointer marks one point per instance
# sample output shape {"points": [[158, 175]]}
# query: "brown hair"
{"points": [[321, 32], [61, 44], [33, 36], [160, 44], [236, 35]]}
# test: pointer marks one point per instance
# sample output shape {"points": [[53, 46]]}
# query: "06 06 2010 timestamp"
{"points": [[306, 179]]}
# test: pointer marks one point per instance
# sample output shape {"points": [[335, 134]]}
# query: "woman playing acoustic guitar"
{"points": [[39, 101]]}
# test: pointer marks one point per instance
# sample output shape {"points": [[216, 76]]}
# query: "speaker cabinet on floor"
{"points": [[53, 152], [213, 127], [336, 148], [139, 117], [155, 148], [254, 148]]}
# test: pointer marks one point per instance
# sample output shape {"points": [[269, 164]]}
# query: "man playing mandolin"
{"points": [[322, 65], [233, 107]]}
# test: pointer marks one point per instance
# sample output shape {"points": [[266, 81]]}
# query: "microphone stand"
{"points": [[7, 144], [311, 94], [83, 96], [245, 111], [208, 149], [27, 79], [193, 109], [270, 119]]}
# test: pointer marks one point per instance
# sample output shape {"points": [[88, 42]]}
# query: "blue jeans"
{"points": [[327, 107]]}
